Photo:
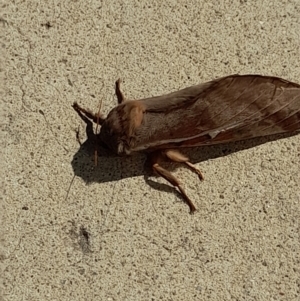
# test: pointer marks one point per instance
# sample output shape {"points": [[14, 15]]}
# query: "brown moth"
{"points": [[231, 108]]}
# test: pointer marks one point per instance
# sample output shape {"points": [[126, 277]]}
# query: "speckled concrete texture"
{"points": [[73, 231]]}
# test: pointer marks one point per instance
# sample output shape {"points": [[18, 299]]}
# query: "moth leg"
{"points": [[120, 95], [195, 169], [171, 179], [95, 117], [176, 156]]}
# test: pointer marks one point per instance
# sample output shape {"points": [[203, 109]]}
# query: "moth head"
{"points": [[113, 129], [112, 133]]}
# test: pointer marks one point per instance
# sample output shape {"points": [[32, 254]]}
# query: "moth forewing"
{"points": [[227, 109]]}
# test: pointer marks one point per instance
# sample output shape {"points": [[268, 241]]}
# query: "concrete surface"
{"points": [[73, 231]]}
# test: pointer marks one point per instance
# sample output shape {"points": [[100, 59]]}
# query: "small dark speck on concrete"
{"points": [[47, 25]]}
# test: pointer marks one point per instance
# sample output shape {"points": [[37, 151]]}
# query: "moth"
{"points": [[231, 108]]}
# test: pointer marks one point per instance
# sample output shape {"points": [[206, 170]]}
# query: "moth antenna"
{"points": [[96, 140]]}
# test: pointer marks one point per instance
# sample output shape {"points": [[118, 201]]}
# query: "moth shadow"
{"points": [[112, 168], [103, 166], [109, 167]]}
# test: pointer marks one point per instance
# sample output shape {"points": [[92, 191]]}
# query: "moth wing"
{"points": [[252, 106], [227, 109]]}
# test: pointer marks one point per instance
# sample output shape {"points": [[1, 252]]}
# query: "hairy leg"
{"points": [[176, 156], [155, 159], [119, 93]]}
